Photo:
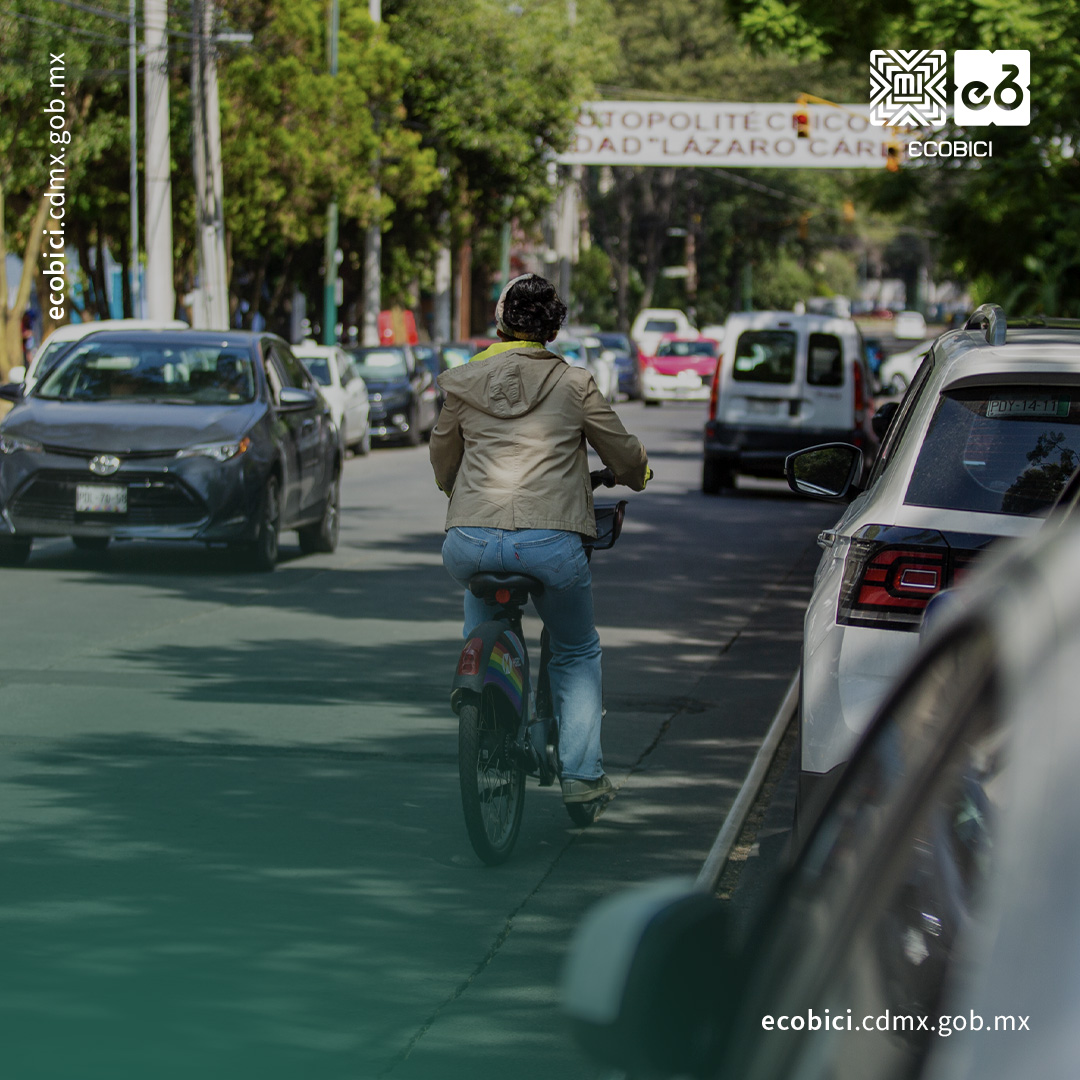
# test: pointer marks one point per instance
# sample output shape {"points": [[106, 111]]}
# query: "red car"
{"points": [[681, 370]]}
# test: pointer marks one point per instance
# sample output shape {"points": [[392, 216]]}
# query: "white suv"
{"points": [[980, 447]]}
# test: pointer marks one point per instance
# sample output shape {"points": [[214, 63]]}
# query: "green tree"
{"points": [[1009, 224]]}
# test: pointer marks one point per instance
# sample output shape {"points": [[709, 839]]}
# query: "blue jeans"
{"points": [[557, 558]]}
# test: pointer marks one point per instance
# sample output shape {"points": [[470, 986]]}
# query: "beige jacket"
{"points": [[509, 447]]}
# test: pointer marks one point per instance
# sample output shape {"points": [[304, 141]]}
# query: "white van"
{"points": [[783, 382], [652, 324]]}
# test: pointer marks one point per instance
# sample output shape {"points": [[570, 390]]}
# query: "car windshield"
{"points": [[379, 363], [615, 341], [661, 326], [765, 356], [1000, 450], [318, 366], [685, 348], [151, 370]]}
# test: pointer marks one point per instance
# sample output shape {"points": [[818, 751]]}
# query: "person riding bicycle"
{"points": [[509, 450]]}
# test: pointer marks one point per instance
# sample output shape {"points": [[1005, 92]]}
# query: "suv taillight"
{"points": [[891, 575], [714, 393]]}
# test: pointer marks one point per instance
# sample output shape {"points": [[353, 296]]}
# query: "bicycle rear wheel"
{"points": [[492, 782]]}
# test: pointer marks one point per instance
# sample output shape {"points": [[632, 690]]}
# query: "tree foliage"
{"points": [[1009, 224]]}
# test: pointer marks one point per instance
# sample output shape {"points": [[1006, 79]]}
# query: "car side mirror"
{"points": [[831, 471], [883, 418], [12, 391], [648, 983], [294, 397]]}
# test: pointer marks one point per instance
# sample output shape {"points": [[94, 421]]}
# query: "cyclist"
{"points": [[509, 451]]}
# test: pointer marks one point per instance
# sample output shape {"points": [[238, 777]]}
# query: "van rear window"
{"points": [[1001, 450], [662, 326], [825, 365], [766, 356]]}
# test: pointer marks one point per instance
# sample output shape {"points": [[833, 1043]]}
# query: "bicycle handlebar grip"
{"points": [[602, 478]]}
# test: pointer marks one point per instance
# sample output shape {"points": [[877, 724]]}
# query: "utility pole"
{"points": [[160, 298], [133, 169], [373, 236], [212, 311], [330, 261]]}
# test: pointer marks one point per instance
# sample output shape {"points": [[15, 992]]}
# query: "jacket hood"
{"points": [[509, 384]]}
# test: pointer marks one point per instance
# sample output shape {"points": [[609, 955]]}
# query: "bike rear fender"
{"points": [[493, 656]]}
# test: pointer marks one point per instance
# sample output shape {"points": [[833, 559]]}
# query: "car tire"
{"points": [[15, 552], [363, 447], [651, 403], [91, 543], [262, 554], [715, 478], [322, 536]]}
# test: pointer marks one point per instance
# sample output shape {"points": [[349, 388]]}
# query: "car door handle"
{"points": [[826, 539]]}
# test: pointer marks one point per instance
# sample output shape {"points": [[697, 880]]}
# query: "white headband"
{"points": [[502, 302]]}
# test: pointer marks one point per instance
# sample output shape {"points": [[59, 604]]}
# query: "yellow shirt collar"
{"points": [[502, 346]]}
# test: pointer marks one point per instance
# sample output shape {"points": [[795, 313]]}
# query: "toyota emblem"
{"points": [[104, 464]]}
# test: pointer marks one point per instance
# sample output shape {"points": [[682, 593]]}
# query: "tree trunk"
{"points": [[658, 193], [11, 346]]}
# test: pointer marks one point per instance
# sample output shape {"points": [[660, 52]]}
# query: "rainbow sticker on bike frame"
{"points": [[505, 670]]}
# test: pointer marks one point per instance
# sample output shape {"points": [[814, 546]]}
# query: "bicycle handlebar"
{"points": [[602, 478]]}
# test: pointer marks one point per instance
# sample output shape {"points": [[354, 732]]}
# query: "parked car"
{"points": [[63, 337], [453, 354], [784, 382], [652, 323], [343, 389], [896, 372], [627, 360], [925, 928], [909, 325], [431, 358], [682, 369], [980, 448], [171, 435], [587, 352], [401, 392]]}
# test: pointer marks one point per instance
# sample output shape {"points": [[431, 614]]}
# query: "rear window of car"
{"points": [[376, 363], [825, 361], [766, 356], [319, 367], [686, 348], [1003, 450], [661, 326]]}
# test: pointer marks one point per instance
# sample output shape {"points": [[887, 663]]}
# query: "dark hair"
{"points": [[533, 309]]}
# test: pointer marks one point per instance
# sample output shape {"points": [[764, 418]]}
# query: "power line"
{"points": [[111, 39], [115, 15]]}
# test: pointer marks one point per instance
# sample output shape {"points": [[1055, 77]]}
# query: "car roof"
{"points": [[308, 348], [184, 336], [965, 357], [74, 331], [767, 320]]}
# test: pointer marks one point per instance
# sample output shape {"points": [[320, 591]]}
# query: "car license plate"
{"points": [[762, 407], [100, 499]]}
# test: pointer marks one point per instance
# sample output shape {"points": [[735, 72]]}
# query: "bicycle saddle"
{"points": [[487, 584]]}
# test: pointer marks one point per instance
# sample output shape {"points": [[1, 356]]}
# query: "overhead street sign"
{"points": [[775, 135]]}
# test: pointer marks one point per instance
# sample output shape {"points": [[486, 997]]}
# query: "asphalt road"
{"points": [[230, 838]]}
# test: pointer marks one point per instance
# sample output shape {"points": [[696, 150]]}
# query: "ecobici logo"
{"points": [[907, 89]]}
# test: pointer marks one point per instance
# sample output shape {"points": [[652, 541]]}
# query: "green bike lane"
{"points": [[230, 839]]}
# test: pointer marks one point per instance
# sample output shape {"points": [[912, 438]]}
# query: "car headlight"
{"points": [[12, 444], [217, 451]]}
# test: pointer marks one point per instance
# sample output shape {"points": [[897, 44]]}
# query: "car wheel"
{"points": [[91, 543], [651, 403], [414, 436], [363, 447], [262, 554], [323, 534], [14, 552], [714, 477]]}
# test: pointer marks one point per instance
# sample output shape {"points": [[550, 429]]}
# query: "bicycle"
{"points": [[500, 740]]}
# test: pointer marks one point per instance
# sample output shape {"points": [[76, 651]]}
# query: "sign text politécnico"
{"points": [[727, 134]]}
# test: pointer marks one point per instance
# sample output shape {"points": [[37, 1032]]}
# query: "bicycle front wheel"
{"points": [[492, 782]]}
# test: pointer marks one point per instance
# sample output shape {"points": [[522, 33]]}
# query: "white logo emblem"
{"points": [[104, 465], [992, 87], [907, 88]]}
